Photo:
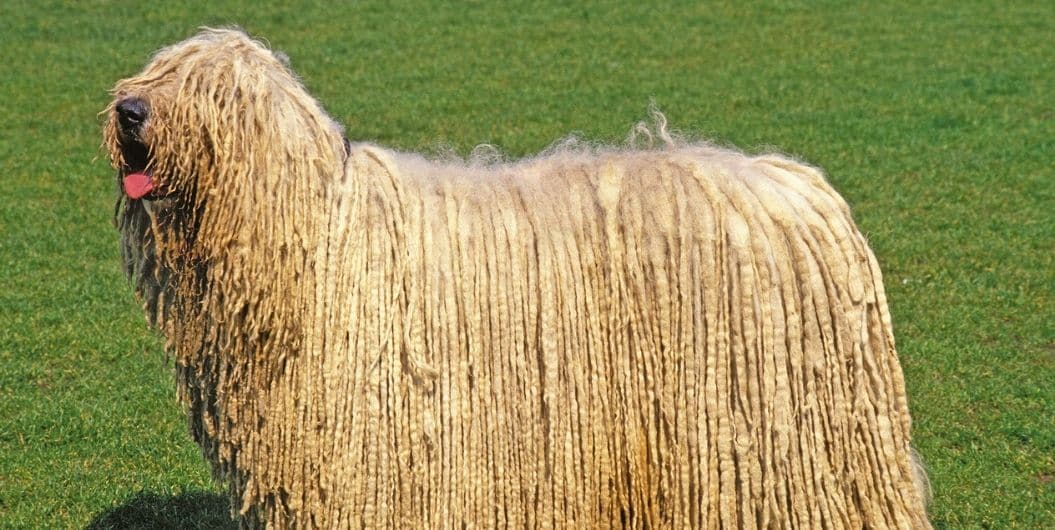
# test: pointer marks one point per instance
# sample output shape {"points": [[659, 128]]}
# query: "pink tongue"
{"points": [[138, 184]]}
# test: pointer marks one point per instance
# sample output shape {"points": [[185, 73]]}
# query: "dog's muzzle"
{"points": [[132, 114]]}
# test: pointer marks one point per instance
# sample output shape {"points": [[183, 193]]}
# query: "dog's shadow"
{"points": [[192, 509]]}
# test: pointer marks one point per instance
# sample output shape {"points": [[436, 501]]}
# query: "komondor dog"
{"points": [[679, 336]]}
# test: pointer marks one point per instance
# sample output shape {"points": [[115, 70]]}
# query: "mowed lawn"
{"points": [[936, 122]]}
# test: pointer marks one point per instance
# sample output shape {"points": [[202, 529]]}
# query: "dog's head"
{"points": [[207, 141]]}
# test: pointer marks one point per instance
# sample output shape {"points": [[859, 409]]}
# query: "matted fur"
{"points": [[683, 336]]}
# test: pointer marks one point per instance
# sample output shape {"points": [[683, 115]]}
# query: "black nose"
{"points": [[131, 113]]}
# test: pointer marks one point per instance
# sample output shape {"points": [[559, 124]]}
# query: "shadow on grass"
{"points": [[193, 509]]}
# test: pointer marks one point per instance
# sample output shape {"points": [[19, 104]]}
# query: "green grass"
{"points": [[935, 121]]}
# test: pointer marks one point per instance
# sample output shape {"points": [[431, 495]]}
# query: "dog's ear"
{"points": [[281, 56]]}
